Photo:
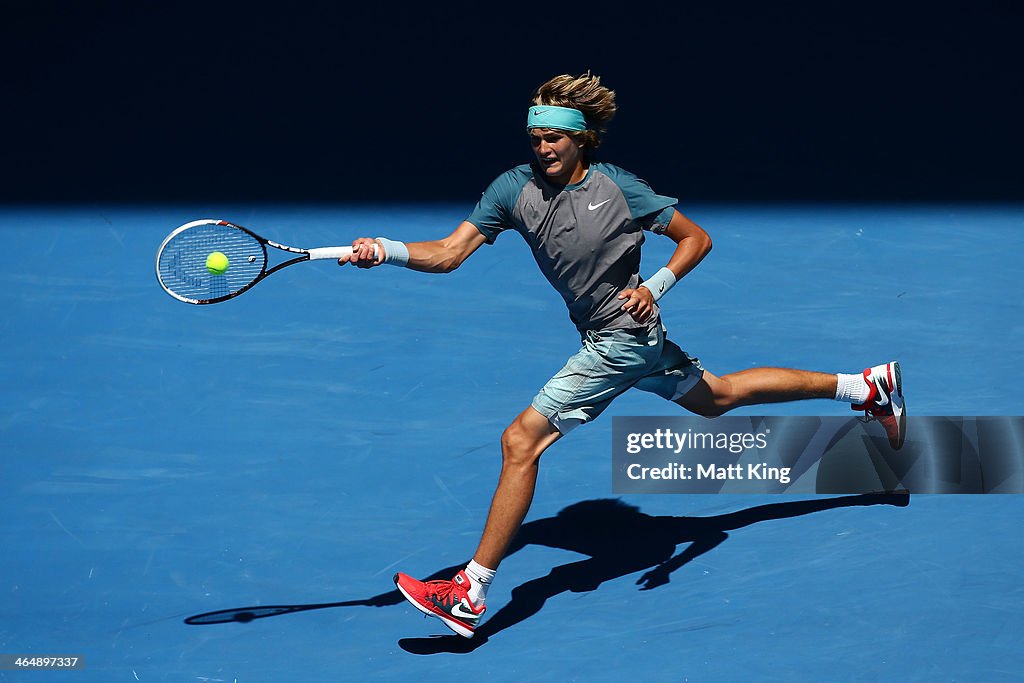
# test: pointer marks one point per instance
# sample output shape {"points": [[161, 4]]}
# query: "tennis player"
{"points": [[585, 222]]}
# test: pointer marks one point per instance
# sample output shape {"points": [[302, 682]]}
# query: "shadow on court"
{"points": [[619, 539]]}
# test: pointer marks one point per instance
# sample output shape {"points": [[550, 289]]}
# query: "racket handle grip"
{"points": [[333, 253]]}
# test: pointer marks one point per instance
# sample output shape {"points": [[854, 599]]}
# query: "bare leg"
{"points": [[714, 396], [522, 444]]}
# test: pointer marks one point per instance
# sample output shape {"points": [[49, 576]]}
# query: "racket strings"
{"points": [[182, 262]]}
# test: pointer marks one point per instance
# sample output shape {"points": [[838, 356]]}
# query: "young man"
{"points": [[584, 221]]}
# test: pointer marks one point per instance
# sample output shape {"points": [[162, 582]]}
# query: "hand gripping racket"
{"points": [[181, 261]]}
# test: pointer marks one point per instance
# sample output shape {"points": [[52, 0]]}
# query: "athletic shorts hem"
{"points": [[609, 363]]}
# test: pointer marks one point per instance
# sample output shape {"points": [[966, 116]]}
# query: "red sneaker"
{"points": [[447, 600], [885, 402]]}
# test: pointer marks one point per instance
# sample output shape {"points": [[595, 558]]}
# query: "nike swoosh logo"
{"points": [[458, 611], [592, 206], [883, 399]]}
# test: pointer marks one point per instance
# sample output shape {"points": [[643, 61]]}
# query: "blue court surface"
{"points": [[293, 448]]}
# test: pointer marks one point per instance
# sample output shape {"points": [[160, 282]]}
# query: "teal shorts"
{"points": [[610, 362]]}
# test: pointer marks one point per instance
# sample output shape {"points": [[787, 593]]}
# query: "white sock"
{"points": [[852, 388], [480, 578]]}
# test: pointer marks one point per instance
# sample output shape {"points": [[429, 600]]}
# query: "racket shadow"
{"points": [[244, 615]]}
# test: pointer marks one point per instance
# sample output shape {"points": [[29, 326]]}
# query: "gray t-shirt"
{"points": [[585, 237]]}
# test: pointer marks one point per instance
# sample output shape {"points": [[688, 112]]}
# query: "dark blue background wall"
{"points": [[324, 101]]}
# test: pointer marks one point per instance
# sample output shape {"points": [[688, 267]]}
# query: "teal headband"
{"points": [[562, 118]]}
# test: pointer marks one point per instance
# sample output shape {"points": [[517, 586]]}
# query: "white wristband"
{"points": [[395, 252], [660, 282]]}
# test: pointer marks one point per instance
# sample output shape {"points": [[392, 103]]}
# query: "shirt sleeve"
{"points": [[493, 213], [657, 222], [649, 209]]}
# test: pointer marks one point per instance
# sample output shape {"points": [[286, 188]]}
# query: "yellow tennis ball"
{"points": [[217, 263]]}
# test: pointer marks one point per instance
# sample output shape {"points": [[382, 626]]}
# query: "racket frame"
{"points": [[315, 254]]}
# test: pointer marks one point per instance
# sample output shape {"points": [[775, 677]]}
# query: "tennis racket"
{"points": [[181, 260]]}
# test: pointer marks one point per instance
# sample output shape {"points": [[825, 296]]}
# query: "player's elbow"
{"points": [[706, 244], [451, 259], [451, 263], [702, 241]]}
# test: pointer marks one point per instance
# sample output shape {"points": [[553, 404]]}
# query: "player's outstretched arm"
{"points": [[436, 256]]}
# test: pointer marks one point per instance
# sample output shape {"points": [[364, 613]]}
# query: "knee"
{"points": [[718, 400], [518, 449]]}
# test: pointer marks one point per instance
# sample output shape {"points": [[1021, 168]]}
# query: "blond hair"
{"points": [[583, 92]]}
